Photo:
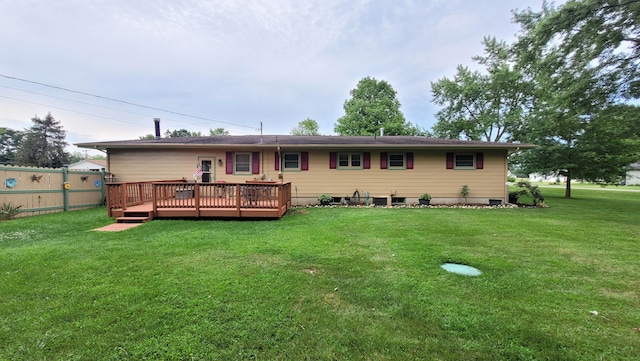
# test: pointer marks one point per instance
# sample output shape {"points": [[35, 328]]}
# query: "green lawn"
{"points": [[329, 284]]}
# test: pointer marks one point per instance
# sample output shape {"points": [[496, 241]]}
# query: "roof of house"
{"points": [[322, 141], [100, 162]]}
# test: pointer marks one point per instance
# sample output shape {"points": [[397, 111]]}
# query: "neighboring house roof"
{"points": [[233, 141], [89, 164]]}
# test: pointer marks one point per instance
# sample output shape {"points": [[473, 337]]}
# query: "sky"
{"points": [[106, 68]]}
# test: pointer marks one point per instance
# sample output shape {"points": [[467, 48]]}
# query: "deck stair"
{"points": [[135, 217]]}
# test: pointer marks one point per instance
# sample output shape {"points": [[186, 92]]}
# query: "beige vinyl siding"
{"points": [[428, 176], [148, 165]]}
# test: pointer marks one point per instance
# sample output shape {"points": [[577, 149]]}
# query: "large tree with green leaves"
{"points": [[218, 131], [9, 141], [181, 133], [482, 105], [602, 34], [306, 127], [581, 129], [43, 144], [373, 105]]}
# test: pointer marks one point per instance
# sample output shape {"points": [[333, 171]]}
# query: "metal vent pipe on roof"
{"points": [[157, 124], [382, 132]]}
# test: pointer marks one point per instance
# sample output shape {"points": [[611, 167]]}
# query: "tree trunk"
{"points": [[567, 190]]}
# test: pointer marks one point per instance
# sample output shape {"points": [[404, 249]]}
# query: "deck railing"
{"points": [[185, 195]]}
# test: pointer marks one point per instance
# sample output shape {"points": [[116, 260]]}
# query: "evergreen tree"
{"points": [[9, 141], [43, 144]]}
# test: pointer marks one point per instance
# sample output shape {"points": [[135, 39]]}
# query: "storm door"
{"points": [[207, 170]]}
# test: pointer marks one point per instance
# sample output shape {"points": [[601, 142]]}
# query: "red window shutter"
{"points": [[332, 160], [366, 160], [409, 160], [276, 164], [255, 163], [304, 161], [479, 160], [449, 160], [383, 160], [229, 165]]}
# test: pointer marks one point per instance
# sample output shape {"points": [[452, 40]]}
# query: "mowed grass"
{"points": [[329, 284]]}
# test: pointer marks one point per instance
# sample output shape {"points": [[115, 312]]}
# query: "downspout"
{"points": [[280, 177]]}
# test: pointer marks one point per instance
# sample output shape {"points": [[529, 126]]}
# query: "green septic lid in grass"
{"points": [[461, 269]]}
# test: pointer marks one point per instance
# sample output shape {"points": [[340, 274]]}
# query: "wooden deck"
{"points": [[140, 201]]}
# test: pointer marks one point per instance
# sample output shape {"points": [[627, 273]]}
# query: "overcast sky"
{"points": [[230, 64]]}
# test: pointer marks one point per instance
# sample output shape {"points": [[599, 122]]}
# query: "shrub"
{"points": [[464, 192], [8, 211], [533, 191]]}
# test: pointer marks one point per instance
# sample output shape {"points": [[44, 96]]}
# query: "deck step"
{"points": [[138, 214], [129, 219]]}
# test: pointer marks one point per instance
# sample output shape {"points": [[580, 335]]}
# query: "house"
{"points": [[547, 178], [396, 169], [89, 165], [633, 174]]}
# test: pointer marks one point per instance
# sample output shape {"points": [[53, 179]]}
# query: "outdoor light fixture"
{"points": [[220, 162]]}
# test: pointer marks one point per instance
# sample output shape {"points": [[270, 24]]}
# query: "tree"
{"points": [[574, 110], [147, 136], [80, 156], [597, 152], [181, 133], [218, 131], [76, 157], [43, 144], [603, 34], [373, 105], [9, 141], [482, 106], [306, 127]]}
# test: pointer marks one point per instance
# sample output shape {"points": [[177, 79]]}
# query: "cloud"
{"points": [[236, 62]]}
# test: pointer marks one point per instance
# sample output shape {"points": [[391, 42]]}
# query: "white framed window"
{"points": [[465, 161], [397, 161], [349, 160], [291, 161], [242, 163]]}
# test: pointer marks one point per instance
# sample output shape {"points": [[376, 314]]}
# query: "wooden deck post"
{"points": [[154, 195], [196, 195], [238, 200], [124, 197]]}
